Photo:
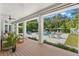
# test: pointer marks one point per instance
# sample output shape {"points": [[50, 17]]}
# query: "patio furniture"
{"points": [[63, 36], [55, 34]]}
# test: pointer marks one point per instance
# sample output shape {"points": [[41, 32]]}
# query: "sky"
{"points": [[68, 14]]}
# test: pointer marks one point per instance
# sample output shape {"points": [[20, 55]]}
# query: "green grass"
{"points": [[72, 40]]}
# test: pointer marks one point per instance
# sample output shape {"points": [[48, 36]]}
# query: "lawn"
{"points": [[72, 40]]}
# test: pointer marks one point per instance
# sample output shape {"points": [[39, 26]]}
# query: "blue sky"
{"points": [[68, 14]]}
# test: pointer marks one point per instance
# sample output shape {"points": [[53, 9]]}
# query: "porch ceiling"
{"points": [[19, 10]]}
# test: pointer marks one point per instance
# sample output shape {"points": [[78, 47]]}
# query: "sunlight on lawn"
{"points": [[72, 40]]}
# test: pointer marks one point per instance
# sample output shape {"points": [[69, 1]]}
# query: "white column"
{"points": [[17, 30], [3, 27], [24, 29], [0, 27], [0, 33], [13, 28], [40, 28]]}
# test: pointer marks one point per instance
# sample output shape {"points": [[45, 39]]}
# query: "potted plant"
{"points": [[10, 42], [14, 38], [7, 43]]}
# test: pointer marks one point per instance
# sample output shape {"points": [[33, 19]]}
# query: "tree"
{"points": [[32, 26]]}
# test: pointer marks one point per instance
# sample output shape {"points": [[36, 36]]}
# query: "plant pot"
{"points": [[5, 49], [20, 41], [13, 49]]}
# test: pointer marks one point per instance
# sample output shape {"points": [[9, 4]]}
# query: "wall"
{"points": [[0, 32], [2, 26]]}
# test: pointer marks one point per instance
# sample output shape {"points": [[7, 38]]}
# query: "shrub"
{"points": [[62, 46]]}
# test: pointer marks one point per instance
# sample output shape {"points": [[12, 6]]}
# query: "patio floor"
{"points": [[32, 48]]}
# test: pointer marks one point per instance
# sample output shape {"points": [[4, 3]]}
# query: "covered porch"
{"points": [[38, 48]]}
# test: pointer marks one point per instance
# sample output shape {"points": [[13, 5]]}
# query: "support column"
{"points": [[0, 33], [13, 28], [3, 27], [40, 28], [17, 30], [24, 29]]}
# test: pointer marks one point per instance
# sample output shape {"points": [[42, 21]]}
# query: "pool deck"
{"points": [[50, 38]]}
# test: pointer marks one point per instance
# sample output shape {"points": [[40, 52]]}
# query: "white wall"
{"points": [[2, 26], [0, 32]]}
